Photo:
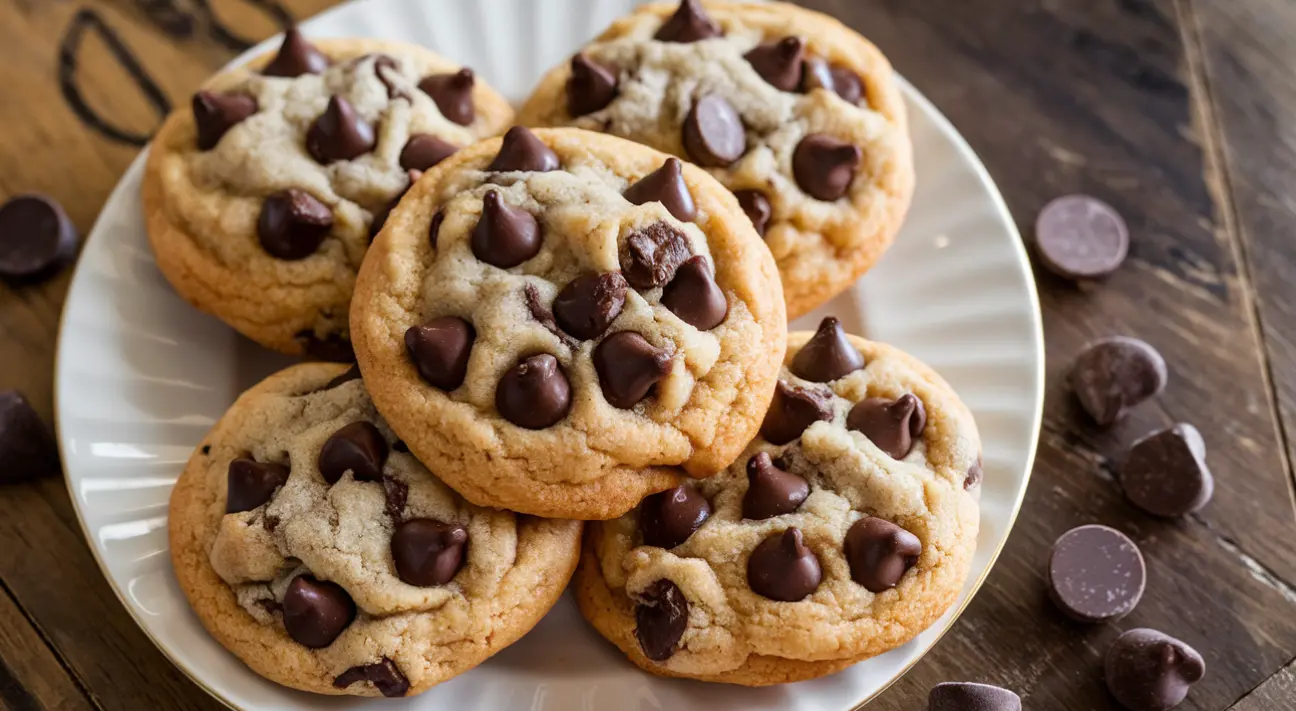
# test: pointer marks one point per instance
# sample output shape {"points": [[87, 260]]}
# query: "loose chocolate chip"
{"points": [[251, 483], [453, 94], [757, 207], [380, 216], [316, 611], [339, 133], [384, 675], [332, 347], [505, 236], [694, 296], [690, 23], [713, 133], [652, 255], [293, 224], [545, 317], [428, 552], [1147, 670], [1114, 374], [892, 425], [27, 449], [214, 114], [36, 237], [395, 491], [589, 304], [782, 568], [965, 696], [591, 87], [383, 64], [824, 166], [1079, 237], [1096, 574], [880, 553], [1165, 473], [628, 367], [792, 410], [358, 448], [534, 394], [352, 373], [434, 230], [666, 186], [296, 57], [975, 474], [423, 150], [668, 518], [771, 491], [440, 350], [779, 63], [837, 78], [522, 150], [828, 355], [661, 616]]}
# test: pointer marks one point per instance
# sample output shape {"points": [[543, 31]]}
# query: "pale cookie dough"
{"points": [[827, 218], [383, 583], [213, 170], [547, 345], [845, 540]]}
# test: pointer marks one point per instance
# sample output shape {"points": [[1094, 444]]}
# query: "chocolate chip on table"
{"points": [[1147, 670], [316, 611], [966, 696], [828, 355], [535, 393], [839, 79], [384, 675], [428, 552], [694, 296], [779, 63], [880, 553], [1096, 574], [216, 113], [296, 57], [331, 347], [824, 167], [440, 350], [892, 425], [339, 133], [505, 236], [453, 94], [252, 483], [713, 133], [628, 367], [358, 448], [653, 254], [792, 410], [382, 65], [757, 207], [522, 150], [423, 150], [293, 224], [1165, 473], [661, 616], [1080, 237], [668, 518], [1115, 374], [690, 23], [771, 491], [665, 185], [782, 567], [588, 305], [591, 87], [27, 448], [36, 237], [541, 313]]}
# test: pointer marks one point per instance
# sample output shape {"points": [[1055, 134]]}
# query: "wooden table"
{"points": [[1180, 113]]}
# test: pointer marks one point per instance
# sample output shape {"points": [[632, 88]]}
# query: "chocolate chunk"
{"points": [[522, 150], [824, 166], [589, 304], [534, 394], [423, 150], [837, 78], [339, 133], [453, 94], [665, 185], [757, 207], [828, 355], [1147, 670], [770, 490], [880, 553], [352, 373], [385, 66], [1079, 237], [505, 236], [1096, 574], [628, 367], [296, 57], [652, 255], [293, 224], [690, 23], [892, 425], [1114, 374], [779, 63], [1165, 473], [782, 568], [384, 675], [251, 483], [661, 616], [27, 449], [396, 491], [214, 114], [975, 474], [36, 237], [714, 135], [542, 314], [428, 552], [440, 350], [591, 87], [316, 611], [792, 410], [694, 296], [668, 518], [358, 448], [333, 347], [966, 696]]}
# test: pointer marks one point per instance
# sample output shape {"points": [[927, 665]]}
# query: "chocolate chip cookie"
{"points": [[317, 549], [793, 111], [262, 197], [557, 321], [846, 528]]}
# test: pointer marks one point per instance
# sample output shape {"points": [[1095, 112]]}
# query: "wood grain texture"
{"points": [[1276, 693]]}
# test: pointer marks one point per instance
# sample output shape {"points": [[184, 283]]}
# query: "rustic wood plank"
{"points": [[1280, 689], [31, 677]]}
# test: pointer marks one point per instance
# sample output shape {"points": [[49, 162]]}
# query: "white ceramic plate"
{"points": [[142, 376]]}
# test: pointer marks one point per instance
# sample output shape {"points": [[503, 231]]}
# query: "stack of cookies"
{"points": [[584, 320]]}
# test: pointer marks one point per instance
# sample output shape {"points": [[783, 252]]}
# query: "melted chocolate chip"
{"points": [[661, 616], [779, 63], [522, 150], [837, 78], [334, 347], [358, 448], [771, 491], [892, 425], [694, 296], [824, 166], [591, 87], [384, 675], [384, 67], [628, 367], [214, 114], [1115, 374], [296, 57], [713, 134], [542, 314], [251, 484], [316, 611], [588, 305], [792, 410], [828, 355], [423, 150], [1147, 670], [440, 350], [395, 490], [434, 230], [665, 185], [668, 518], [880, 553], [534, 394], [505, 236], [652, 254], [783, 568], [757, 207], [428, 552], [453, 94], [293, 224], [690, 23]]}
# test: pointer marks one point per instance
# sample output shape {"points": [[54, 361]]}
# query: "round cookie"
{"points": [[796, 113], [262, 197], [845, 539], [381, 583], [556, 321]]}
